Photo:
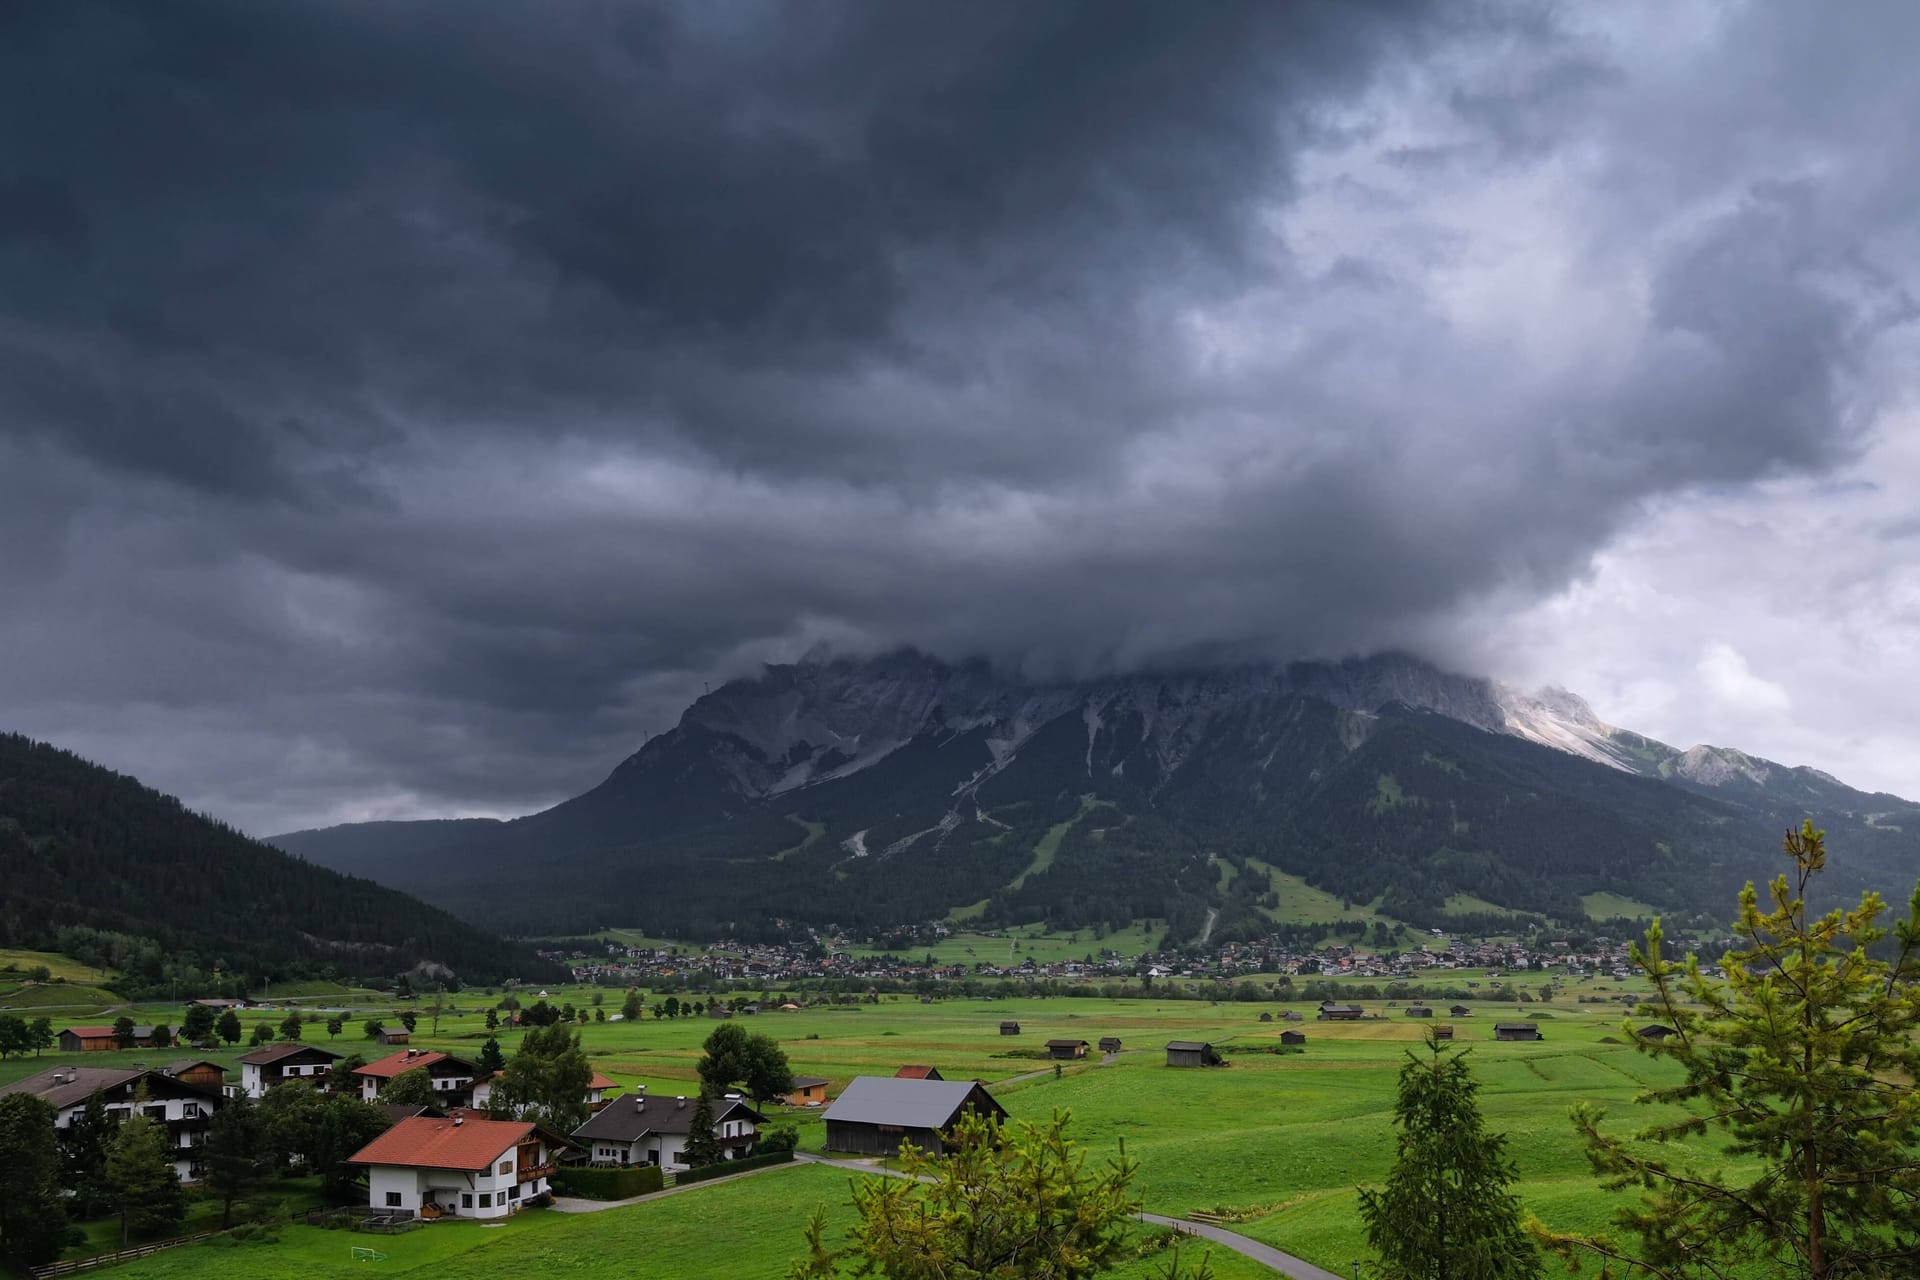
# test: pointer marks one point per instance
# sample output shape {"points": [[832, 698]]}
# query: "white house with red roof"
{"points": [[452, 1077], [458, 1166]]}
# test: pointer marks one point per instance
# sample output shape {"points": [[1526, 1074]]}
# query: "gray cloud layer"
{"points": [[403, 407]]}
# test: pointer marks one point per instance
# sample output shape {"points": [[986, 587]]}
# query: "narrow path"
{"points": [[574, 1204], [1265, 1254], [1285, 1263], [1206, 930]]}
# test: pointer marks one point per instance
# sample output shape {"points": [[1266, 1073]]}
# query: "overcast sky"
{"points": [[404, 407]]}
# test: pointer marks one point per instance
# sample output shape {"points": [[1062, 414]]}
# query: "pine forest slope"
{"points": [[83, 846]]}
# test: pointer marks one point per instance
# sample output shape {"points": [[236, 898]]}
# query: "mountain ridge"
{"points": [[904, 752]]}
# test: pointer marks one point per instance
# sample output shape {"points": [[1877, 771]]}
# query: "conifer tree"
{"points": [[491, 1059], [146, 1189], [703, 1148], [1804, 1058], [32, 1220], [238, 1165], [83, 1159], [1448, 1211]]}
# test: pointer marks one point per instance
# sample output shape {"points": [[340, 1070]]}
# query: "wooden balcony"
{"points": [[528, 1173]]}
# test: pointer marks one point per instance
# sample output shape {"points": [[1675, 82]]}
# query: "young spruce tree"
{"points": [[1803, 1058], [1448, 1211]]}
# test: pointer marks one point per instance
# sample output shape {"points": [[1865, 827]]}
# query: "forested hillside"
{"points": [[95, 860]]}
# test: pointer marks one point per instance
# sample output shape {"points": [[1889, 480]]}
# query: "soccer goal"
{"points": [[363, 1254]]}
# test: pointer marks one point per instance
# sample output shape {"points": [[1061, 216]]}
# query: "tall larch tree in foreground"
{"points": [[1448, 1211], [1803, 1061], [1000, 1204]]}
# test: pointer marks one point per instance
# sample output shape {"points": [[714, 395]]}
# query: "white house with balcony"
{"points": [[458, 1166], [640, 1129]]}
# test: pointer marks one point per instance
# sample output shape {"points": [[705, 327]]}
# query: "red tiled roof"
{"points": [[601, 1082], [89, 1033], [427, 1142], [393, 1064], [913, 1073]]}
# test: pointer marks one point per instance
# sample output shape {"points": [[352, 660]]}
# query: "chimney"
{"points": [[458, 1121], [680, 1101]]}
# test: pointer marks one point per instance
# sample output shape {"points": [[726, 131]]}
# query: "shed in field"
{"points": [[875, 1115], [1192, 1053], [1516, 1031], [1109, 1044], [1293, 1037], [1066, 1049], [1009, 1028]]}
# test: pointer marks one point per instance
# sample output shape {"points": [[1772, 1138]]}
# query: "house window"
{"points": [[466, 1199], [191, 1110], [486, 1199], [513, 1193], [393, 1199], [506, 1166]]}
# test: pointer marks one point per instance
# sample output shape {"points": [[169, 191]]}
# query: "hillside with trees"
{"points": [[96, 865]]}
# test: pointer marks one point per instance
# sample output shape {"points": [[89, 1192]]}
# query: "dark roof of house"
{"points": [[630, 1119], [188, 1064], [1064, 1044], [66, 1086], [1188, 1046], [270, 1054], [810, 1082], [911, 1104]]}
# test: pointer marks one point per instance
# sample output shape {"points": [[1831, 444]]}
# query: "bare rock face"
{"points": [[1721, 766]]}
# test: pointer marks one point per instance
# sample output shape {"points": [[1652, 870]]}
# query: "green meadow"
{"points": [[1278, 1141]]}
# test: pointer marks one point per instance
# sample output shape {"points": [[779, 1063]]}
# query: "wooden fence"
{"points": [[74, 1266]]}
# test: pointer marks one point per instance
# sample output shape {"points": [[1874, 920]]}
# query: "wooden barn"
{"points": [[1109, 1044], [1443, 1032], [1266, 1017], [1192, 1053], [1009, 1028], [1419, 1011], [1067, 1050], [874, 1115], [1341, 1013], [1516, 1031], [1293, 1037], [1460, 1011]]}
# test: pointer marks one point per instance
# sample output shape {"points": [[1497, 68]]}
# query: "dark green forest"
{"points": [[96, 861]]}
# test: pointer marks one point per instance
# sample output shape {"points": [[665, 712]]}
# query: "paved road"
{"points": [[1265, 1254]]}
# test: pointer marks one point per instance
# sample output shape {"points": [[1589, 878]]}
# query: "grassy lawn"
{"points": [[289, 1196], [55, 999], [57, 966], [1605, 906]]}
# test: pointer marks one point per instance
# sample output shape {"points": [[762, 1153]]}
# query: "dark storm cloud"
{"points": [[404, 406]]}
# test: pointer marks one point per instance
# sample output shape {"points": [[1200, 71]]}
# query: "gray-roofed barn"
{"points": [[876, 1114]]}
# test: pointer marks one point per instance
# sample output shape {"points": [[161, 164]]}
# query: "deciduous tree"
{"points": [[546, 1081], [1448, 1211], [229, 1027], [410, 1089], [290, 1027], [198, 1025], [1803, 1059], [732, 1057]]}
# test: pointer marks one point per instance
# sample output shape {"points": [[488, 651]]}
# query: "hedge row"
{"points": [[725, 1167], [607, 1184]]}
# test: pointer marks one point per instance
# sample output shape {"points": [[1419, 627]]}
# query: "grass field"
{"points": [[54, 999], [1283, 1138], [57, 966], [1605, 906]]}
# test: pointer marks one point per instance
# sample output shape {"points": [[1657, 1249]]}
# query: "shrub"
{"points": [[608, 1184], [785, 1138]]}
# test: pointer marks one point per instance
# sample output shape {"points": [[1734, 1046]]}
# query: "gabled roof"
{"points": [[430, 1142], [814, 1082], [917, 1073], [407, 1059], [599, 1081], [1188, 1046], [270, 1054], [1064, 1044], [96, 1033], [630, 1119], [911, 1104], [66, 1086], [188, 1064]]}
